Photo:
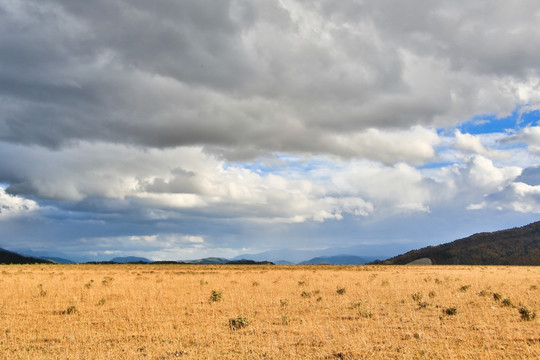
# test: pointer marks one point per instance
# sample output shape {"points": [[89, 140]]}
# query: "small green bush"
{"points": [[71, 310], [365, 314], [357, 305], [215, 296], [450, 310], [526, 314], [238, 323], [416, 296], [422, 304], [483, 293]]}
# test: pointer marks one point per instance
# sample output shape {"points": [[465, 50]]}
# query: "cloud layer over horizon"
{"points": [[129, 127]]}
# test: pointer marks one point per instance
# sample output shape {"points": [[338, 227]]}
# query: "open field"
{"points": [[289, 312]]}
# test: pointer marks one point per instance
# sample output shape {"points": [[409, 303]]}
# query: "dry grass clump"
{"points": [[268, 312]]}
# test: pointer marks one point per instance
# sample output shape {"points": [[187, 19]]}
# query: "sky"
{"points": [[185, 129]]}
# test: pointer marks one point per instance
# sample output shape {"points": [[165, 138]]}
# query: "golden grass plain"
{"points": [[292, 312]]}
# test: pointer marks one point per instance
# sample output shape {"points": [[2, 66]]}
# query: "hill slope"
{"points": [[8, 257], [517, 246]]}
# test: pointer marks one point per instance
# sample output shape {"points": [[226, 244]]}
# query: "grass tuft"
{"points": [[238, 323], [216, 296]]}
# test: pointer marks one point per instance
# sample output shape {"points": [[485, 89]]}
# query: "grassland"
{"points": [[271, 312]]}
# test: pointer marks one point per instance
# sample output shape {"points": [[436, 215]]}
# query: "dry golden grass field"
{"points": [[268, 312]]}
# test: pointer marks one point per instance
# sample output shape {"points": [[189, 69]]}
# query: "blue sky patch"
{"points": [[490, 123]]}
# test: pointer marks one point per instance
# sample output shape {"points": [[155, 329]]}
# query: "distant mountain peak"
{"points": [[337, 260], [130, 259]]}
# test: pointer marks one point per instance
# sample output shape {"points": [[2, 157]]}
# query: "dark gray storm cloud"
{"points": [[244, 78]]}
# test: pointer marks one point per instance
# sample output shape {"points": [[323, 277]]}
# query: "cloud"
{"points": [[246, 79], [531, 136], [273, 120], [518, 197], [472, 144], [178, 180], [15, 206], [162, 246]]}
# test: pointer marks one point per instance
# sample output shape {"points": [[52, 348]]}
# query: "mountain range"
{"points": [[516, 246]]}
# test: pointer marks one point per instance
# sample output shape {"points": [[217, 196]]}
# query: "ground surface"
{"points": [[290, 312]]}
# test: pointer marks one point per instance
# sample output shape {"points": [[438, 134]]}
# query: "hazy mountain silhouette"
{"points": [[130, 259], [57, 260], [338, 260], [208, 260]]}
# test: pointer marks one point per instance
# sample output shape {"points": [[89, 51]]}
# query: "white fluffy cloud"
{"points": [[15, 206], [472, 144]]}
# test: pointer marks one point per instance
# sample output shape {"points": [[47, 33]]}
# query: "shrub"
{"points": [[497, 296], [238, 323], [450, 311], [255, 283], [341, 291], [465, 288], [506, 302], [215, 296], [71, 310], [365, 314], [483, 293], [431, 294], [526, 314], [416, 296], [422, 304], [357, 305], [306, 294]]}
